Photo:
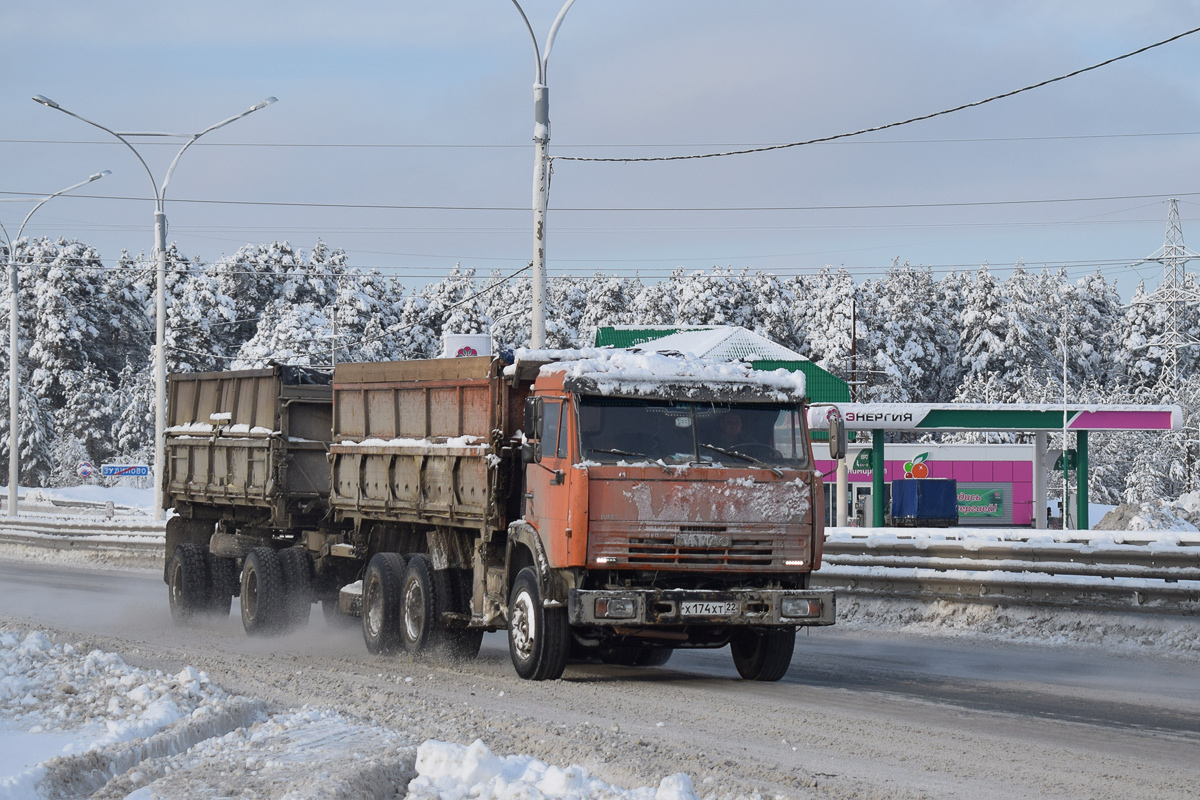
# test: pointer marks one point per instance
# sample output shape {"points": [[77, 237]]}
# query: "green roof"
{"points": [[821, 386]]}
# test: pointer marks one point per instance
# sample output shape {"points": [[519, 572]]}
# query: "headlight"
{"points": [[614, 608], [796, 607]]}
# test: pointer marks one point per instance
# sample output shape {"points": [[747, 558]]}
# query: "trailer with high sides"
{"points": [[595, 504]]}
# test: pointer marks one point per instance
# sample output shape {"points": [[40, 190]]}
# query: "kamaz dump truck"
{"points": [[595, 504]]}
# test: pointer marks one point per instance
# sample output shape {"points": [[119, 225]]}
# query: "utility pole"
{"points": [[541, 171]]}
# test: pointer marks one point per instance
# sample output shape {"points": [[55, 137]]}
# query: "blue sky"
{"points": [[627, 78]]}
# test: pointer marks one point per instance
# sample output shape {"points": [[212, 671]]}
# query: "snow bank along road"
{"points": [[861, 714]]}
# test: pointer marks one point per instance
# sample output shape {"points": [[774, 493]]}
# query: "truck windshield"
{"points": [[622, 429]]}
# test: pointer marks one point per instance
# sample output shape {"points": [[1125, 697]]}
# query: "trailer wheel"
{"points": [[763, 655], [263, 593], [297, 581], [381, 603], [422, 601], [539, 638], [187, 582], [222, 583]]}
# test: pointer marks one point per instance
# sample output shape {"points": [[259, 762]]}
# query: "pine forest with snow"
{"points": [[87, 331]]}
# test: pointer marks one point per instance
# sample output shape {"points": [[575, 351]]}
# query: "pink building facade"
{"points": [[995, 481]]}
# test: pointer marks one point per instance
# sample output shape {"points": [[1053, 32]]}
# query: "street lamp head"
{"points": [[265, 103], [100, 175], [46, 101]]}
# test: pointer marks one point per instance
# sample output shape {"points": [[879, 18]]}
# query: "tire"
{"points": [[421, 604], [763, 655], [187, 583], [297, 580], [223, 584], [634, 656], [539, 638], [655, 656], [263, 593], [382, 585]]}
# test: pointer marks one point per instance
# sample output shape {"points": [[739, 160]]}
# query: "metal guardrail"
{"points": [[1135, 571], [141, 537], [1138, 571]]}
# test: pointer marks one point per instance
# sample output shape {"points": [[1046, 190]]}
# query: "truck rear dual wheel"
{"points": [[539, 638], [296, 566], [382, 587], [427, 594], [222, 583], [763, 655]]}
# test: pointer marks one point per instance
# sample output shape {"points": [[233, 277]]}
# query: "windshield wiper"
{"points": [[751, 459], [616, 452]]}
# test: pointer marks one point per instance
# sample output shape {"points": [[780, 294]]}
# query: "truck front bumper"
{"points": [[674, 607]]}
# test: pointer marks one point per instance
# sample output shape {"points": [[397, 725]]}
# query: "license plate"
{"points": [[707, 609]]}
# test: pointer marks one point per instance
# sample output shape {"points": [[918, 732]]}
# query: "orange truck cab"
{"points": [[677, 505]]}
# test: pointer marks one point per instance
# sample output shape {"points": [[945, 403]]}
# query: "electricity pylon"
{"points": [[1176, 294]]}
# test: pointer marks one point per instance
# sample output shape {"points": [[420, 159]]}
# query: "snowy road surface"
{"points": [[859, 715]]}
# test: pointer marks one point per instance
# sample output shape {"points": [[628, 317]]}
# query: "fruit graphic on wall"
{"points": [[917, 468]]}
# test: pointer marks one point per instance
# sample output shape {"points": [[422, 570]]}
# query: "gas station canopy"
{"points": [[1029, 417], [1037, 418]]}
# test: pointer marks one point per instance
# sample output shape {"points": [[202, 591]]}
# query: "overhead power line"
{"points": [[638, 209], [889, 125], [612, 145]]}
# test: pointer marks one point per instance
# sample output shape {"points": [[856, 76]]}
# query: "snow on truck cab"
{"points": [[596, 504]]}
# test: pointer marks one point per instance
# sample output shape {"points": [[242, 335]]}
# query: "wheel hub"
{"points": [[521, 626]]}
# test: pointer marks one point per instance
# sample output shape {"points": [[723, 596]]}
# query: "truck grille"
{"points": [[697, 545]]}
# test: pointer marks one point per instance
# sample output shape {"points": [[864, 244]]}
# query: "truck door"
{"points": [[546, 482]]}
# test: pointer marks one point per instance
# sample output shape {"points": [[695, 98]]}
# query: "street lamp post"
{"points": [[14, 453], [541, 172], [160, 249]]}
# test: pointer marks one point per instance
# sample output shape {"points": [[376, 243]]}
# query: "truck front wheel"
{"points": [[763, 655], [539, 638], [382, 586], [187, 582], [262, 592]]}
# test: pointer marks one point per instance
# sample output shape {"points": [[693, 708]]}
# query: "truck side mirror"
{"points": [[533, 419], [531, 452], [837, 436]]}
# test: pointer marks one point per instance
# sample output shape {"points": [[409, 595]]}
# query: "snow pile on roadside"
{"points": [[52, 688], [144, 735], [309, 753], [447, 771], [1115, 631], [104, 704], [1182, 514]]}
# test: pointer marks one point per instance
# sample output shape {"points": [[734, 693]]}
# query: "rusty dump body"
{"points": [[605, 514], [249, 445]]}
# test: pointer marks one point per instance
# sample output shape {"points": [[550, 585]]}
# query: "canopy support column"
{"points": [[1081, 477], [1040, 443], [877, 470]]}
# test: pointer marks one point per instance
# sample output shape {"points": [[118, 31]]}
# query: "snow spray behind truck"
{"points": [[596, 504]]}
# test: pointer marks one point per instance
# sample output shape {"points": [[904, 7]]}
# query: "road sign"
{"points": [[85, 469], [1058, 465], [124, 470]]}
